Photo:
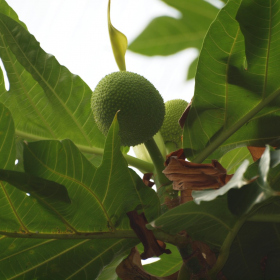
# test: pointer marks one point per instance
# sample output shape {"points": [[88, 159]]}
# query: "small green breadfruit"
{"points": [[140, 104], [171, 131]]}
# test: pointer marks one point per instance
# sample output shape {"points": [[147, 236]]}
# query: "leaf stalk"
{"points": [[135, 162]]}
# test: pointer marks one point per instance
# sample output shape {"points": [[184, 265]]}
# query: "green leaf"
{"points": [[238, 243], [232, 159], [197, 219], [35, 186], [118, 42], [46, 100], [59, 259], [192, 69], [8, 11], [167, 265], [166, 35], [218, 120], [254, 252], [108, 191], [7, 139]]}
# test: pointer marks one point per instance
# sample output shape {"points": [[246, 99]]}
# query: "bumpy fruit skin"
{"points": [[171, 130], [141, 106]]}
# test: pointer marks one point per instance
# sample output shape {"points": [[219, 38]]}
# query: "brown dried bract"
{"points": [[132, 269], [179, 154], [198, 259], [256, 152], [152, 247], [146, 179], [194, 176]]}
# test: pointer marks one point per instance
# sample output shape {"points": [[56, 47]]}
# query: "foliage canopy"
{"points": [[71, 208]]}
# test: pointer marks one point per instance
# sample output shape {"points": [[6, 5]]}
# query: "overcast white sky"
{"points": [[76, 32]]}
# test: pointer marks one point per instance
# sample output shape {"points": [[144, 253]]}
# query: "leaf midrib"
{"points": [[26, 93]]}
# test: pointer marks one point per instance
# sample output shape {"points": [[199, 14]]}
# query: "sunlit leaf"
{"points": [[233, 159], [46, 100], [118, 42], [8, 11], [236, 105], [192, 69]]}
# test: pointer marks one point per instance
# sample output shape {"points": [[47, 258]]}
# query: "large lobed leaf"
{"points": [[236, 101], [99, 200]]}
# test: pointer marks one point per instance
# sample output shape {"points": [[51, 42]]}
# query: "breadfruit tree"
{"points": [[71, 205]]}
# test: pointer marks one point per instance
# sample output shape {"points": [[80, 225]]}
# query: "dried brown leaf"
{"points": [[179, 154], [147, 179], [206, 252], [152, 247], [172, 202], [194, 176], [132, 269], [256, 152], [186, 196], [198, 259]]}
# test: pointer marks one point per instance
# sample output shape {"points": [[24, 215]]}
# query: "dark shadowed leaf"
{"points": [[60, 259], [231, 237], [35, 186]]}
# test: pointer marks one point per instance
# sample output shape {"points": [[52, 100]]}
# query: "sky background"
{"points": [[76, 33]]}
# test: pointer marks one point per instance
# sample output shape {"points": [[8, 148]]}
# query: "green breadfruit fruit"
{"points": [[141, 106], [171, 131]]}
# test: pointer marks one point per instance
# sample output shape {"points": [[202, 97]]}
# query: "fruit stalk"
{"points": [[168, 197]]}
